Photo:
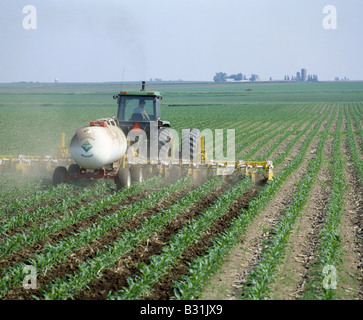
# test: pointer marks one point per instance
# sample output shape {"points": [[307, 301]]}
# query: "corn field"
{"points": [[296, 237]]}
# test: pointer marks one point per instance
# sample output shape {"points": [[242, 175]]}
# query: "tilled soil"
{"points": [[28, 252], [293, 271], [228, 282], [116, 278], [70, 265], [351, 273]]}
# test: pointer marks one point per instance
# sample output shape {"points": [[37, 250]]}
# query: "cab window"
{"points": [[136, 109]]}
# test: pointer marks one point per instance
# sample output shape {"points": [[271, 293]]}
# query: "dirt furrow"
{"points": [[292, 271], [227, 282], [350, 281], [163, 289]]}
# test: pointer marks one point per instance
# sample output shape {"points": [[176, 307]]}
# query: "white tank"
{"points": [[100, 144]]}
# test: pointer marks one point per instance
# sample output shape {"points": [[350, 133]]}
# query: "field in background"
{"points": [[167, 240], [34, 115]]}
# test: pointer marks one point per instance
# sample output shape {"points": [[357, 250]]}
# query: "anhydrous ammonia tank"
{"points": [[100, 144]]}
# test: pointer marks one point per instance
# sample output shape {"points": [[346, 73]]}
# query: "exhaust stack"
{"points": [[143, 86]]}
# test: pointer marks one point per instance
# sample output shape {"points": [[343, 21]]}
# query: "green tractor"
{"points": [[141, 107], [141, 110]]}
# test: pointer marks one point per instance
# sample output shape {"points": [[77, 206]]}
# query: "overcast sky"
{"points": [[133, 40]]}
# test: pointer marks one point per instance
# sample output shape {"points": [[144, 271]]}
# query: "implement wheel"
{"points": [[172, 173], [123, 178], [74, 169], [137, 173], [59, 175]]}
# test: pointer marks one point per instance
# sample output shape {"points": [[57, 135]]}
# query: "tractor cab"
{"points": [[139, 109]]}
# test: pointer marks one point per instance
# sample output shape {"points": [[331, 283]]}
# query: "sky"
{"points": [[191, 40]]}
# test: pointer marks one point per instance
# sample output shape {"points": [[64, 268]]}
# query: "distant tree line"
{"points": [[222, 77], [312, 78], [342, 79]]}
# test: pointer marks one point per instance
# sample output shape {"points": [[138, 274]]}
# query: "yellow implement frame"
{"points": [[62, 157], [24, 163], [250, 168]]}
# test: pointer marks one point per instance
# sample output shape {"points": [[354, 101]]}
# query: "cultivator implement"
{"points": [[29, 164], [65, 169], [124, 173], [103, 150], [215, 167], [206, 167]]}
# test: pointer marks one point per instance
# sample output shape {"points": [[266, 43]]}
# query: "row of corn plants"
{"points": [[22, 199], [266, 129], [63, 288], [298, 134], [357, 118], [37, 232], [284, 133], [53, 254], [264, 140], [258, 281], [201, 268], [139, 285], [278, 141], [261, 133], [278, 160], [358, 162], [17, 193], [330, 240], [250, 131], [61, 205]]}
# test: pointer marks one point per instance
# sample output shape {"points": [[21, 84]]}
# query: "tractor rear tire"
{"points": [[59, 175], [123, 178], [137, 173], [164, 138], [164, 135], [190, 141]]}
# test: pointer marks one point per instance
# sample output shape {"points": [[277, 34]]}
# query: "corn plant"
{"points": [[20, 201], [91, 268], [60, 205], [257, 285], [160, 264], [33, 234], [358, 162], [54, 253], [330, 240], [201, 268]]}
